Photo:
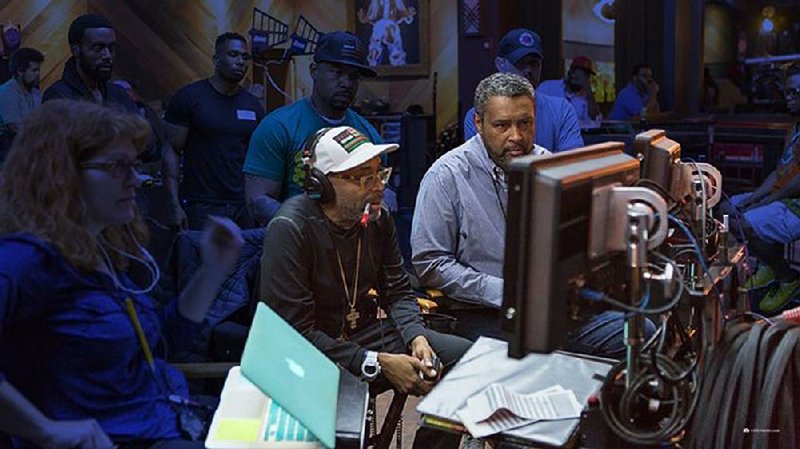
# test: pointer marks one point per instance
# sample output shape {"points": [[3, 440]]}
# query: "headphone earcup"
{"points": [[316, 185], [324, 187]]}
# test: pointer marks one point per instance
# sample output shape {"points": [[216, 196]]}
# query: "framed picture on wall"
{"points": [[396, 35]]}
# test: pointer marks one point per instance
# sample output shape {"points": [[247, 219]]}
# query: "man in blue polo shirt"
{"points": [[273, 169], [556, 123], [641, 93]]}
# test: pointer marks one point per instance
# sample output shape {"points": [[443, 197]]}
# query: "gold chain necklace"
{"points": [[352, 316]]}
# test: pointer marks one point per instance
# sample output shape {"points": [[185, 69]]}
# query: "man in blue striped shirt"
{"points": [[520, 52], [459, 225]]}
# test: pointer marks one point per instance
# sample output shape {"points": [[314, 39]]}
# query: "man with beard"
{"points": [[209, 123], [520, 52], [327, 251], [20, 95], [459, 226], [576, 87], [273, 169], [770, 217], [87, 73]]}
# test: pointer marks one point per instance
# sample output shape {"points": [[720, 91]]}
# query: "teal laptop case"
{"points": [[293, 372]]}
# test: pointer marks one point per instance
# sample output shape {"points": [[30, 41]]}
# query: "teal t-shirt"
{"points": [[275, 150]]}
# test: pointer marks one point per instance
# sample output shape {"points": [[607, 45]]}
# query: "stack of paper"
{"points": [[497, 409]]}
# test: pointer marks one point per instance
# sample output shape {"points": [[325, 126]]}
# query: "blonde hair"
{"points": [[39, 184]]}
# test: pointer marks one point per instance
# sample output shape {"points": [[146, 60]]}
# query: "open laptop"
{"points": [[284, 396]]}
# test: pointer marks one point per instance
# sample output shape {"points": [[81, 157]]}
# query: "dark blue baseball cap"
{"points": [[518, 43], [342, 47]]}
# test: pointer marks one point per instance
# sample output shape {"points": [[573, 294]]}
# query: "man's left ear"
{"points": [[312, 70]]}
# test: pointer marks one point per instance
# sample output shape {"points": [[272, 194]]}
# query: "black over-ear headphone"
{"points": [[316, 185]]}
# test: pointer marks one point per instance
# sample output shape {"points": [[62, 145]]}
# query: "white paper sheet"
{"points": [[497, 409]]}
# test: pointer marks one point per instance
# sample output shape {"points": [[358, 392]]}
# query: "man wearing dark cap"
{"points": [[87, 73], [557, 127], [273, 167], [209, 123], [576, 87]]}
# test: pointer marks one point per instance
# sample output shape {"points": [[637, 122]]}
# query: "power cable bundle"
{"points": [[748, 390], [656, 404]]}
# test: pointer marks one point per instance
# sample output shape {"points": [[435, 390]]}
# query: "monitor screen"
{"points": [[659, 156], [548, 240]]}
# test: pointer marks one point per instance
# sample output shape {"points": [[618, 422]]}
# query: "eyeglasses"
{"points": [[369, 180], [117, 169]]}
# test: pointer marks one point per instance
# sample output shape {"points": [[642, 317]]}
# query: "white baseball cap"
{"points": [[342, 148]]}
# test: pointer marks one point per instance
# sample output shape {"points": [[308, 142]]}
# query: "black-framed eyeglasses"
{"points": [[117, 169], [370, 180]]}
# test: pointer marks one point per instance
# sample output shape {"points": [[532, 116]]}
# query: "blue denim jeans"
{"points": [[603, 336]]}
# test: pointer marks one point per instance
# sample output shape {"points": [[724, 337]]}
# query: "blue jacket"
{"points": [[68, 345]]}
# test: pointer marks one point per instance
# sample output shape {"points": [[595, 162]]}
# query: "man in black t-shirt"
{"points": [[209, 123], [331, 260]]}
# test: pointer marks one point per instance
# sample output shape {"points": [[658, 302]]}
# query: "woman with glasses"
{"points": [[81, 344]]}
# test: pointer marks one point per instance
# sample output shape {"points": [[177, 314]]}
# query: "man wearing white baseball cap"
{"points": [[331, 260]]}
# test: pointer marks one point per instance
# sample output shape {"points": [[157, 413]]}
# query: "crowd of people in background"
{"points": [[82, 358]]}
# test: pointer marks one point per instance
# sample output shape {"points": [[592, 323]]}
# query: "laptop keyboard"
{"points": [[281, 426]]}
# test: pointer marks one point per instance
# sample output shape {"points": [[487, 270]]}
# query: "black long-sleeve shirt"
{"points": [[301, 279]]}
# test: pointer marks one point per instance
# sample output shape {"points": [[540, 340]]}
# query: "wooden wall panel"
{"points": [[444, 60], [164, 45], [44, 26]]}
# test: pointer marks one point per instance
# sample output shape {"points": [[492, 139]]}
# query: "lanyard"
{"points": [[130, 309], [137, 325]]}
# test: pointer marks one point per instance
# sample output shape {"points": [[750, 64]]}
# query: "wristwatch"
{"points": [[370, 368]]}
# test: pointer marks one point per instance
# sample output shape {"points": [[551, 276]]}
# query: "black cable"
{"points": [[622, 415], [748, 390]]}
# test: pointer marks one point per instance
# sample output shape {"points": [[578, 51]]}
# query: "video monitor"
{"points": [[659, 157], [675, 180], [549, 239]]}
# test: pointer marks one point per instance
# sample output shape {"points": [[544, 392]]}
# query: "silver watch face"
{"points": [[370, 368]]}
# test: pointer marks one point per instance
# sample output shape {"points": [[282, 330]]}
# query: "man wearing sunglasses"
{"points": [[273, 169], [331, 267], [770, 217], [209, 123]]}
